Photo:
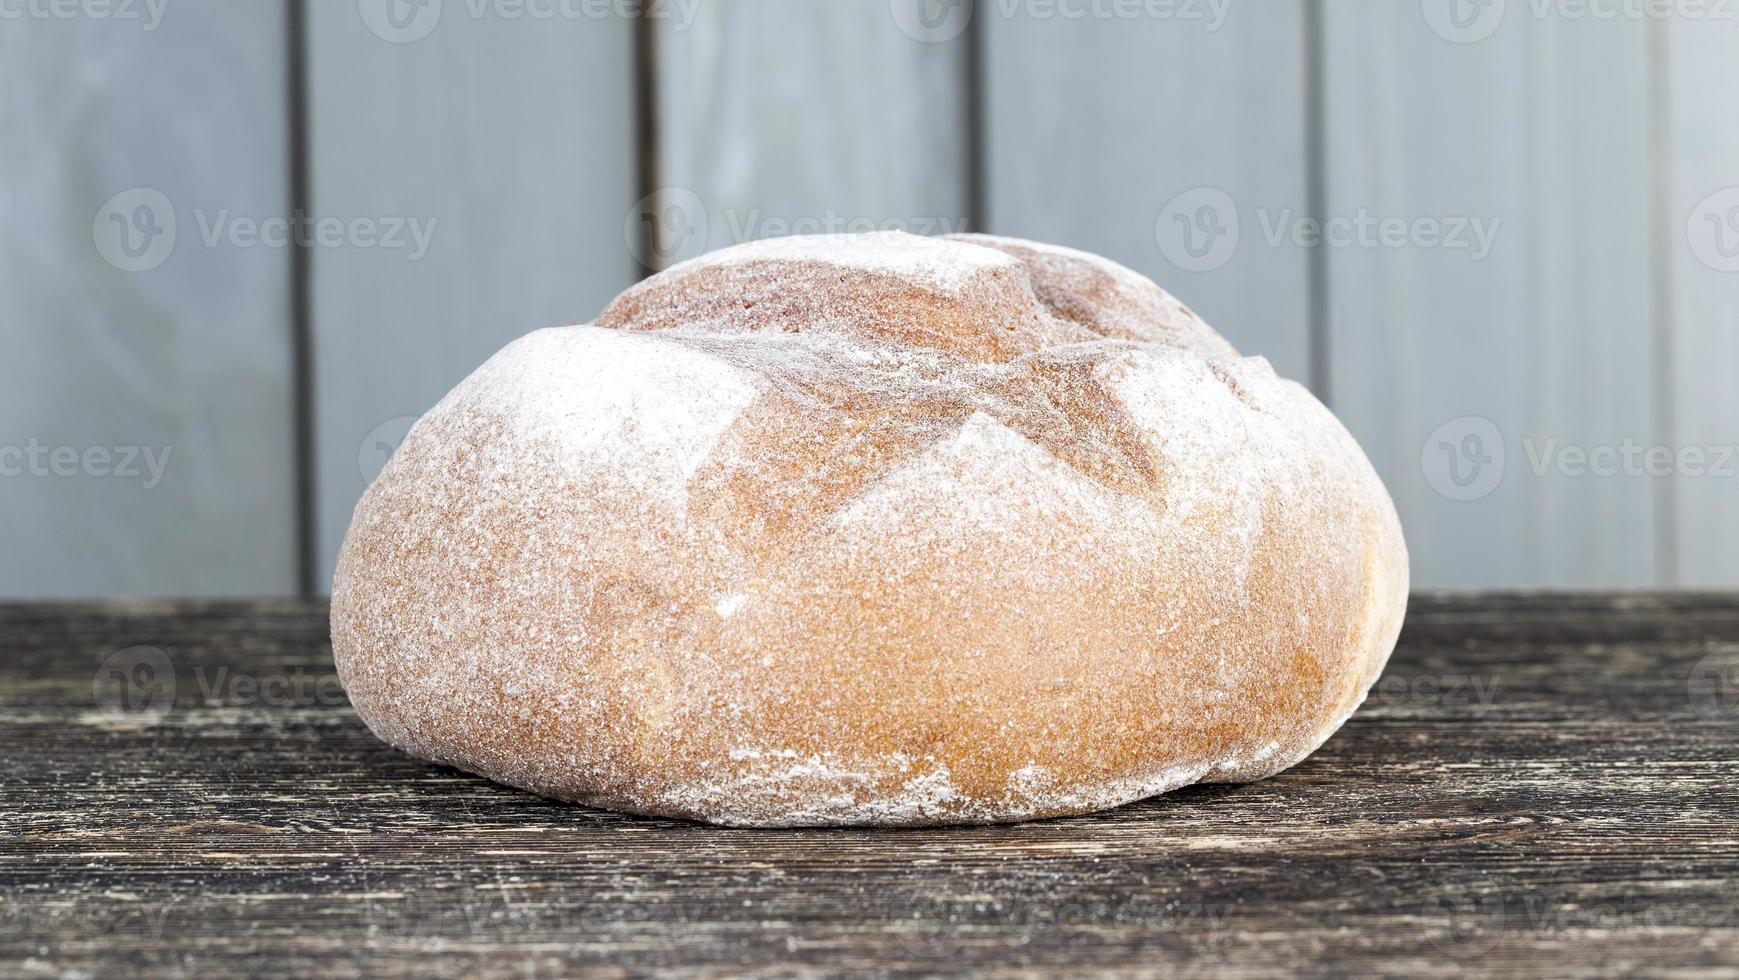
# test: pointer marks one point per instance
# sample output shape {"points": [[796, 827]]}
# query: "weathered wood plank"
{"points": [[505, 141], [1567, 810], [1489, 363], [145, 344], [793, 117], [1116, 133]]}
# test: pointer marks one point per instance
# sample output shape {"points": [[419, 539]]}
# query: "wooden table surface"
{"points": [[1541, 784]]}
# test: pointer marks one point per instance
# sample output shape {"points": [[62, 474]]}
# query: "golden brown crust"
{"points": [[889, 531]]}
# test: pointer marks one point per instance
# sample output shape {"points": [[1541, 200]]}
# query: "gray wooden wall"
{"points": [[1537, 286]]}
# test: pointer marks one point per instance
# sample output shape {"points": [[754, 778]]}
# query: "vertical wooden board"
{"points": [[1119, 134], [790, 116], [510, 142], [1701, 268], [168, 119], [1466, 377]]}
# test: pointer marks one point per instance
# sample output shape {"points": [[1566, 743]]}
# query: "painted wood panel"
{"points": [[1476, 376], [1701, 272], [1172, 140], [790, 116], [503, 149], [482, 169], [137, 142]]}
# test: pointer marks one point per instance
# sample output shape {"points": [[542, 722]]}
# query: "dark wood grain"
{"points": [[1541, 784]]}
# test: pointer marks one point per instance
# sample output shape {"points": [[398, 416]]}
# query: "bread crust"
{"points": [[871, 530]]}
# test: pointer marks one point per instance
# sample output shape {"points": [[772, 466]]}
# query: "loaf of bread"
{"points": [[877, 530]]}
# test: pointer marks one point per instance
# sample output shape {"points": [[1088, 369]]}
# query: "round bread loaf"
{"points": [[874, 530]]}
